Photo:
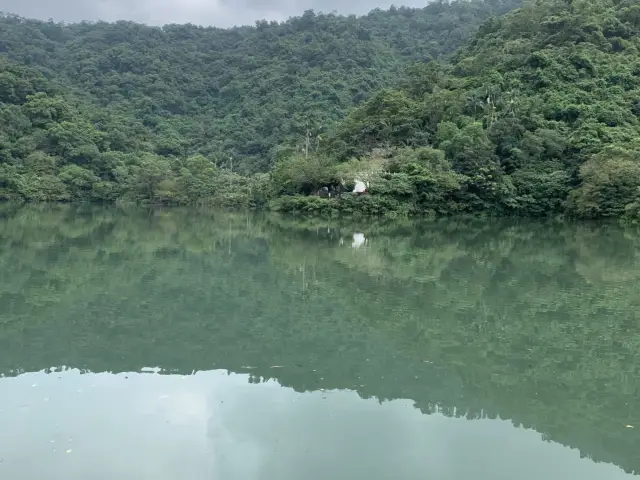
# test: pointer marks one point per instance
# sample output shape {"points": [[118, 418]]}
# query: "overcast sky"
{"points": [[221, 13]]}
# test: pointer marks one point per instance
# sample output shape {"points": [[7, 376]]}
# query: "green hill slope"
{"points": [[238, 92], [539, 114]]}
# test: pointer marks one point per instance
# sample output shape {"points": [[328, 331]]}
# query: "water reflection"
{"points": [[537, 323], [219, 425], [358, 240]]}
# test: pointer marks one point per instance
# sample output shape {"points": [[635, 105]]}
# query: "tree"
{"points": [[610, 182], [151, 180]]}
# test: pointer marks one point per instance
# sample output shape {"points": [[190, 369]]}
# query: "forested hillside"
{"points": [[236, 92], [537, 113]]}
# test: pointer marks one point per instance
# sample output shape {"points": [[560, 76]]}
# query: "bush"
{"points": [[347, 204], [305, 205], [610, 182], [296, 174]]}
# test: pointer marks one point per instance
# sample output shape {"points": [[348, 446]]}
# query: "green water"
{"points": [[206, 345]]}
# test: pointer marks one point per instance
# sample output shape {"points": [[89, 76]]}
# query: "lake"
{"points": [[168, 344]]}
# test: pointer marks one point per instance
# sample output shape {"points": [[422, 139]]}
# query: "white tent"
{"points": [[360, 187]]}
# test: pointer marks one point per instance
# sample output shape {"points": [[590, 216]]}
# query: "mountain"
{"points": [[442, 110], [539, 114], [237, 92]]}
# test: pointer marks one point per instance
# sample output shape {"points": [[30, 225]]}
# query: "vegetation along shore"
{"points": [[498, 107]]}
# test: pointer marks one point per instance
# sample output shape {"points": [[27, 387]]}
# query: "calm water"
{"points": [[198, 345]]}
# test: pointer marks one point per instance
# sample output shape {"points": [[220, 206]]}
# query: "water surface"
{"points": [[168, 344]]}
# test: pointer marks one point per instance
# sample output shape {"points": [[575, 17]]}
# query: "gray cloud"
{"points": [[222, 13]]}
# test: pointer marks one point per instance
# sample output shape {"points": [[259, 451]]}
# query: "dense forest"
{"points": [[462, 107]]}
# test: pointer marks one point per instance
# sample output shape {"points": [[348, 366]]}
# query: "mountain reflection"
{"points": [[219, 425], [534, 323]]}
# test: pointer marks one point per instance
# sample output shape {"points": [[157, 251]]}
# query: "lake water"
{"points": [[174, 344]]}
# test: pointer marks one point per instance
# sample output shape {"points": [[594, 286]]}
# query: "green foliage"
{"points": [[537, 113], [297, 174], [196, 179], [242, 91], [350, 205], [540, 106], [610, 184], [386, 118], [296, 205], [432, 183], [130, 113]]}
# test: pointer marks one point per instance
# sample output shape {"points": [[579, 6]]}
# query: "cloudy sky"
{"points": [[214, 425], [222, 13]]}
